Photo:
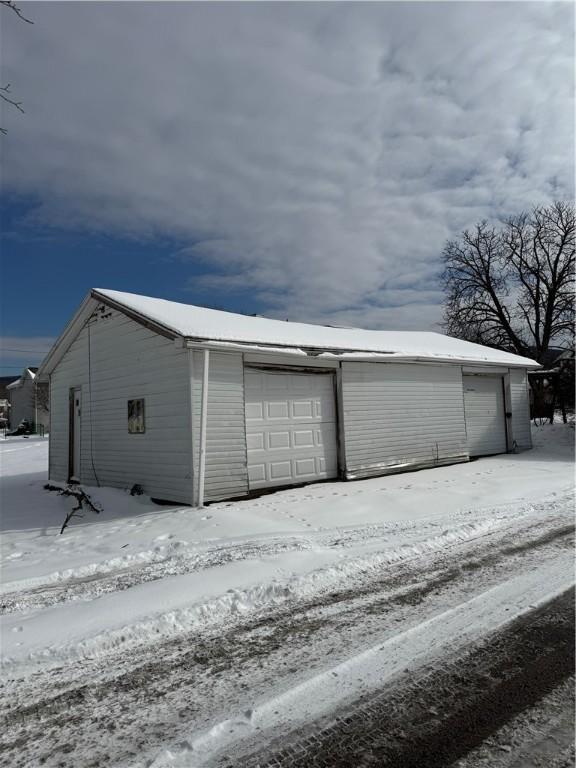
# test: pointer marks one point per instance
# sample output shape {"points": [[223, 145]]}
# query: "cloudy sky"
{"points": [[299, 160]]}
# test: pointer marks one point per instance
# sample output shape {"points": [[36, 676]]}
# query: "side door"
{"points": [[75, 434]]}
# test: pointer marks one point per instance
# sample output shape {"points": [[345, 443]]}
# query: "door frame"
{"points": [[505, 405], [74, 435]]}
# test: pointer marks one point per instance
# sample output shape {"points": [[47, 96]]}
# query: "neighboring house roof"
{"points": [[556, 361], [27, 373], [229, 330], [554, 355]]}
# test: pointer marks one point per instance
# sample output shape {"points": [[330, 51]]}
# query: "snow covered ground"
{"points": [[478, 543]]}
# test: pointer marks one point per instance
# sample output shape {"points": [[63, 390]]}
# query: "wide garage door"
{"points": [[290, 427], [485, 415]]}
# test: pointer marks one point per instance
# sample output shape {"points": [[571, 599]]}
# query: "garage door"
{"points": [[485, 415], [290, 427]]}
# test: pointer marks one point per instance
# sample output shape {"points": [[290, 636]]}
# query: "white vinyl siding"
{"points": [[520, 402], [226, 475], [127, 361], [290, 427], [401, 416], [485, 414]]}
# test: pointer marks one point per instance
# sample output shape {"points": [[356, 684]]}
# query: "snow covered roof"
{"points": [[29, 373], [229, 329]]}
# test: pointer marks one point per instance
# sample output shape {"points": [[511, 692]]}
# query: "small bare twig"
{"points": [[13, 7], [4, 89], [81, 497]]}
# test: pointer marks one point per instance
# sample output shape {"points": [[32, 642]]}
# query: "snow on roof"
{"points": [[31, 372], [215, 325]]}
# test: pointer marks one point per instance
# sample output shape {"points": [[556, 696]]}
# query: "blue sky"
{"points": [[303, 160], [37, 303]]}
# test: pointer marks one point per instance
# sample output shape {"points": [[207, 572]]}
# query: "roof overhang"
{"points": [[63, 342], [352, 355], [154, 325], [79, 320]]}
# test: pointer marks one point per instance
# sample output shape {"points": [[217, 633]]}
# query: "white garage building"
{"points": [[196, 405]]}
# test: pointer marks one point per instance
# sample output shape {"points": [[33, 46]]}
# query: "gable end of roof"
{"points": [[153, 325]]}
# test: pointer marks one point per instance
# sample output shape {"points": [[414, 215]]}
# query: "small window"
{"points": [[136, 424]]}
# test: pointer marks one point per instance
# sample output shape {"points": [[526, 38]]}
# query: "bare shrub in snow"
{"points": [[84, 501]]}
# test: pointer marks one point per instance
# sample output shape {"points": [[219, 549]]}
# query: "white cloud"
{"points": [[322, 153]]}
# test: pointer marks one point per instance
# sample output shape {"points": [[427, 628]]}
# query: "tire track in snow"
{"points": [[433, 718], [119, 709], [541, 735]]}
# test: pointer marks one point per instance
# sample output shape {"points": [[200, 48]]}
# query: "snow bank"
{"points": [[197, 601]]}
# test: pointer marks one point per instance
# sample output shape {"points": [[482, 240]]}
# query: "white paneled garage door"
{"points": [[485, 414], [290, 427]]}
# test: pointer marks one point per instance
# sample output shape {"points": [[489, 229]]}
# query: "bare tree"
{"points": [[512, 287], [5, 91], [43, 396]]}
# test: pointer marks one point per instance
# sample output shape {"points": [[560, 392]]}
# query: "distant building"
{"points": [[4, 402], [26, 401], [552, 386]]}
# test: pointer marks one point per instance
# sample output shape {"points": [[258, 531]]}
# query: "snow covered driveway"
{"points": [[173, 636]]}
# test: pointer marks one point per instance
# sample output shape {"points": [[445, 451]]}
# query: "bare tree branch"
{"points": [[513, 287], [17, 11], [5, 90], [82, 499], [43, 397]]}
